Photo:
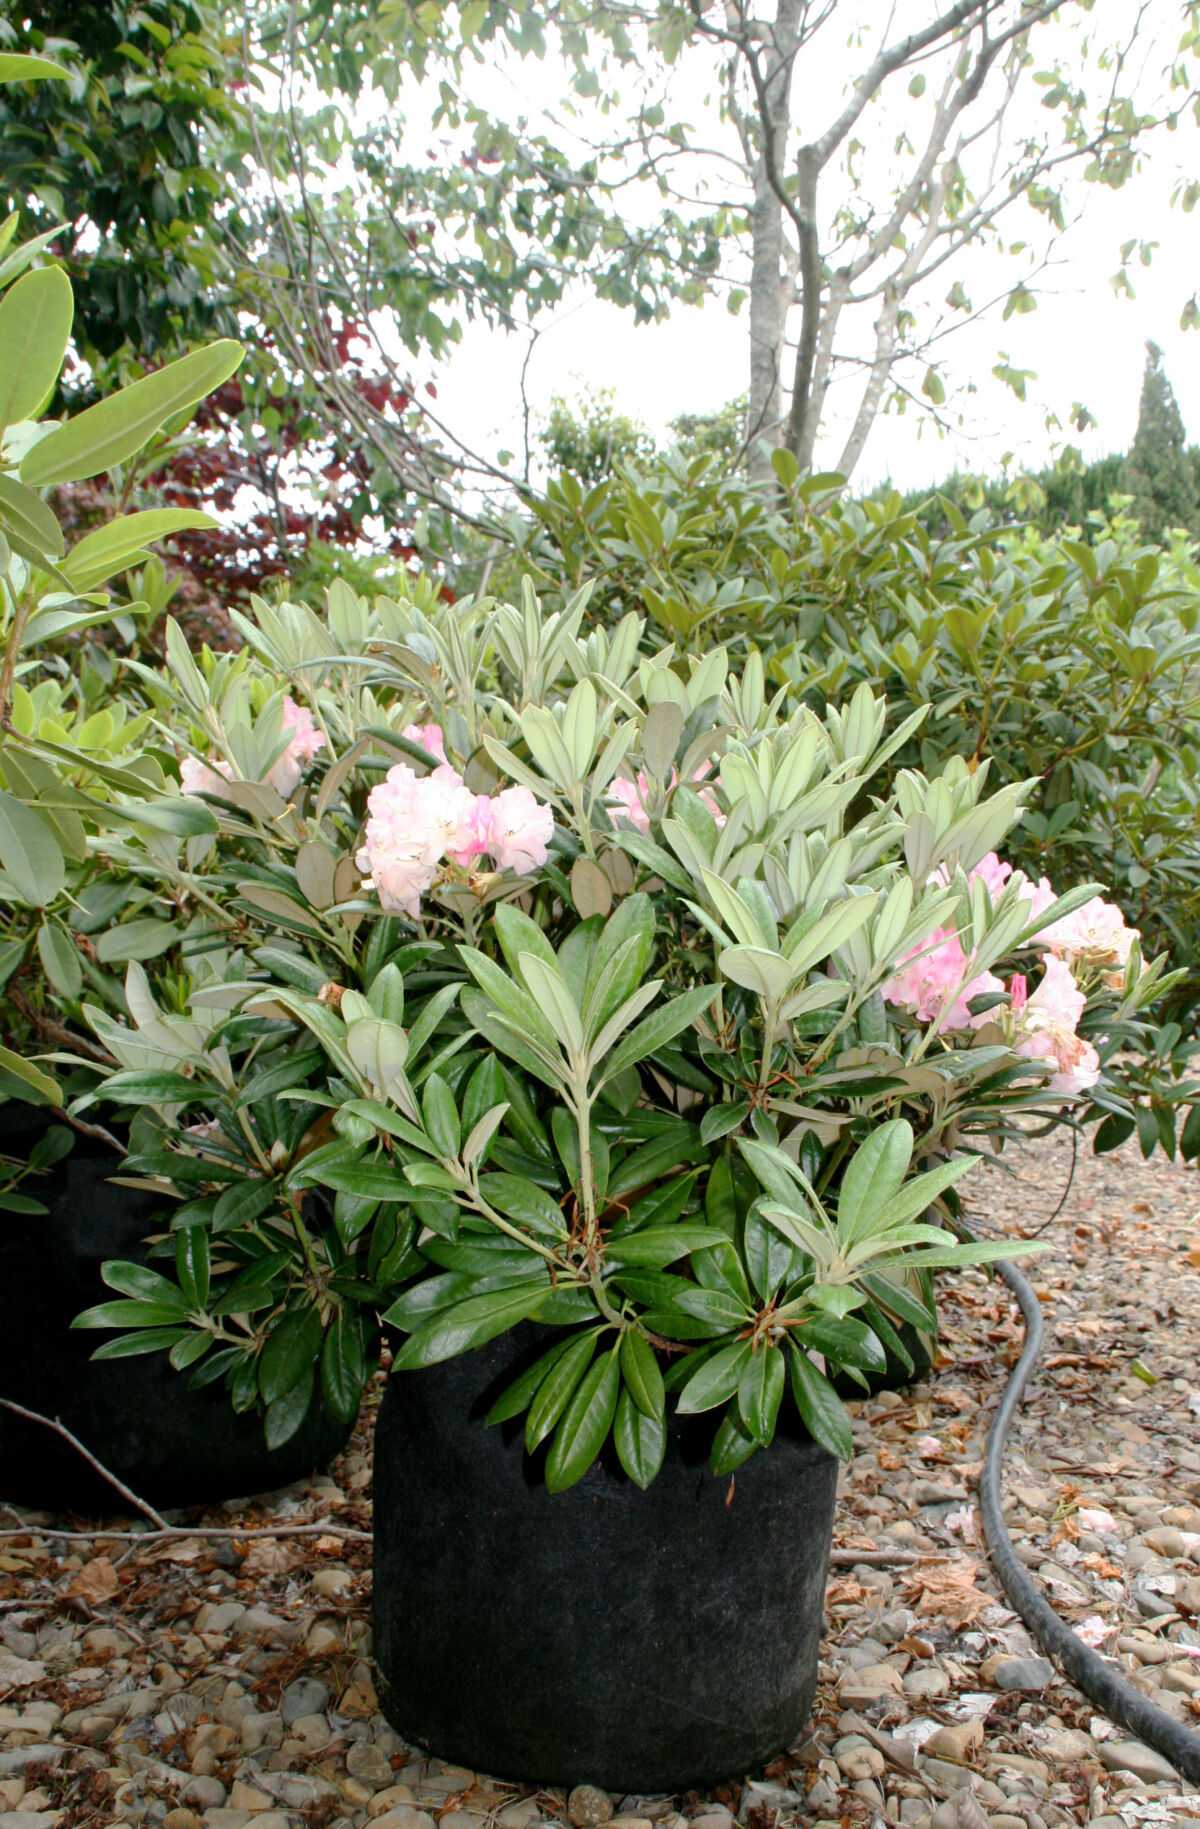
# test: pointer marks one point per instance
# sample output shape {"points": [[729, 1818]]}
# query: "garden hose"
{"points": [[1099, 1682]]}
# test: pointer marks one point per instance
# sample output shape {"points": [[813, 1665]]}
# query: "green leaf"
{"points": [[440, 1112], [130, 1314], [760, 1391], [520, 1393], [243, 1203], [733, 1442], [288, 1411], [343, 1365], [716, 1380], [659, 1028], [820, 1407], [35, 328], [134, 1346], [557, 1387], [60, 961], [639, 1369], [146, 938], [144, 1284], [19, 67], [25, 514], [584, 1425], [31, 1076], [289, 1354], [193, 1264], [873, 1177], [659, 1245], [845, 1342], [524, 1201], [113, 429], [640, 1439], [29, 853], [768, 1255], [111, 548], [472, 1323]]}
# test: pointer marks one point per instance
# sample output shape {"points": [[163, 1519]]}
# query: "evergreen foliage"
{"points": [[1160, 476]]}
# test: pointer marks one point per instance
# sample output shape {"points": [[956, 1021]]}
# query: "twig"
{"points": [[53, 1423], [873, 1559], [245, 1533]]}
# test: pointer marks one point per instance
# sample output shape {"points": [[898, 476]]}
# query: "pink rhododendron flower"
{"points": [[1018, 991], [304, 742], [628, 795], [1097, 929], [196, 777], [412, 821], [426, 736], [922, 985], [517, 831], [1046, 1030], [632, 796]]}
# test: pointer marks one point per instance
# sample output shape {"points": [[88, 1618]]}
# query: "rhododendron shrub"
{"points": [[603, 990]]}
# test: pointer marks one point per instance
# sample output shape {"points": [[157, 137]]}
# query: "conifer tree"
{"points": [[1159, 474]]}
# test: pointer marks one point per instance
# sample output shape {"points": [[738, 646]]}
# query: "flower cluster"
{"points": [[934, 982], [284, 775], [631, 798], [415, 823]]}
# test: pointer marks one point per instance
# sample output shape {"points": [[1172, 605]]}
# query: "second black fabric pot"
{"points": [[172, 1445], [642, 1641]]}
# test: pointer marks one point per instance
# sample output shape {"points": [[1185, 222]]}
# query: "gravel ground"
{"points": [[202, 1684]]}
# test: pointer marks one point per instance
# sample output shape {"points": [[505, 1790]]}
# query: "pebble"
{"points": [[1023, 1673], [588, 1806], [366, 1763], [306, 1696], [404, 1816], [1142, 1761]]}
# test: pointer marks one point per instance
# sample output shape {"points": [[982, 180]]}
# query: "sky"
{"points": [[1085, 343]]}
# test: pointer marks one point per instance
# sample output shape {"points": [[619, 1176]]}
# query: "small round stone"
{"points": [[306, 1696], [588, 1807]]}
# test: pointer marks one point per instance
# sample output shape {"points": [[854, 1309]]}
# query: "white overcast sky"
{"points": [[1084, 342]]}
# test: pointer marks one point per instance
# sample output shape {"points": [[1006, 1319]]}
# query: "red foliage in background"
{"points": [[276, 446]]}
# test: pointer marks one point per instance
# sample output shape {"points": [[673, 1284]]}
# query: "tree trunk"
{"points": [[768, 294]]}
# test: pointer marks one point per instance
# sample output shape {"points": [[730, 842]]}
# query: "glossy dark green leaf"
{"points": [[716, 1380], [846, 1342], [720, 1267], [585, 1423], [760, 1391], [289, 1354], [286, 1414], [187, 1351], [343, 1365], [768, 1255], [485, 1090], [640, 1371], [192, 1264], [471, 1323], [517, 1397], [142, 1283], [525, 1202], [557, 1387], [132, 1314], [640, 1440], [820, 1407], [732, 1444], [655, 1246], [135, 1346], [243, 1203]]}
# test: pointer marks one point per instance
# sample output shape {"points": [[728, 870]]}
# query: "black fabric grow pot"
{"points": [[172, 1445], [642, 1641]]}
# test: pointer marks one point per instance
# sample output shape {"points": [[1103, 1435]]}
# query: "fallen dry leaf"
{"points": [[190, 1550], [95, 1583], [948, 1590], [270, 1556], [19, 1673]]}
